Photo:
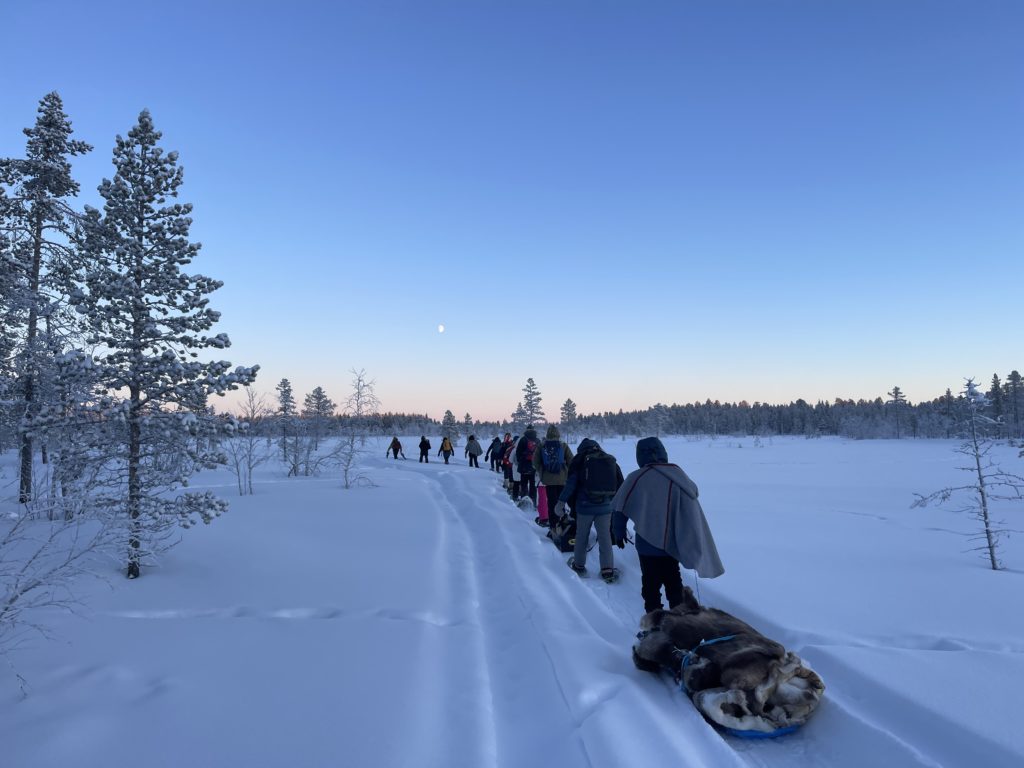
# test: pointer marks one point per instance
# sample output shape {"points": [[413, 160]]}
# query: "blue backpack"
{"points": [[552, 456]]}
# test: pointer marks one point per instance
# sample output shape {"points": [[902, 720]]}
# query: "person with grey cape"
{"points": [[669, 524]]}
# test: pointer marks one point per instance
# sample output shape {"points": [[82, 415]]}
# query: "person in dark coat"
{"points": [[395, 448], [668, 523], [424, 449], [494, 454], [525, 449], [589, 511]]}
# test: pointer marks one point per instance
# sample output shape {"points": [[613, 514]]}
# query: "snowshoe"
{"points": [[541, 523], [580, 570], [610, 575]]}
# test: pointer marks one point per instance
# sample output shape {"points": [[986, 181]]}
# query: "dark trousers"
{"points": [[496, 463], [528, 486], [446, 454], [424, 457], [473, 462], [395, 451], [657, 571], [553, 492]]}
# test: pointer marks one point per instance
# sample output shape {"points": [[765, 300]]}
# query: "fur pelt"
{"points": [[747, 682]]}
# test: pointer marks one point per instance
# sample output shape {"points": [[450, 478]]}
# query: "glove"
{"points": [[560, 509], [619, 541]]}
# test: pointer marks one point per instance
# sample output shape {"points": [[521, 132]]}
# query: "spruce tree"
{"points": [[37, 228], [531, 403], [450, 427], [897, 402], [148, 319], [318, 408], [467, 425], [1014, 392], [568, 417]]}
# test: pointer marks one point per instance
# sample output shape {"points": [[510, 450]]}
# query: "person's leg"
{"points": [[579, 553], [604, 541], [553, 492], [530, 487], [650, 583], [673, 581], [517, 487]]}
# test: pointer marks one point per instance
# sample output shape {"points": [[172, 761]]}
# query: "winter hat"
{"points": [[650, 450], [553, 433]]}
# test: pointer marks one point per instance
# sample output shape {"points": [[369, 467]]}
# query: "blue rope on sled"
{"points": [[693, 652]]}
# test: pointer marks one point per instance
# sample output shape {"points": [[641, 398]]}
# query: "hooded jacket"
{"points": [[446, 446], [661, 500], [552, 478], [581, 505], [473, 448], [524, 464], [494, 450]]}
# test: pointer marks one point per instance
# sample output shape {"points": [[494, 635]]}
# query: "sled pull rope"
{"points": [[688, 656]]}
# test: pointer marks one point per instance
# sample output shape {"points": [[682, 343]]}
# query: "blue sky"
{"points": [[629, 202]]}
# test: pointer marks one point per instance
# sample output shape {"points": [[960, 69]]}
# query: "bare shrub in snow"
{"points": [[988, 482]]}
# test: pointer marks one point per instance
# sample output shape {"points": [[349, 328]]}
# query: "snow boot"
{"points": [[580, 570], [610, 575], [541, 522]]}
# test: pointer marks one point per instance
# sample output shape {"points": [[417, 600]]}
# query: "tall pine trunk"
{"points": [[29, 386]]}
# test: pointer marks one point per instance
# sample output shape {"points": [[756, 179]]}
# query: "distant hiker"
{"points": [[395, 448], [525, 451], [507, 461], [424, 449], [551, 461], [446, 449], [594, 477], [473, 450], [668, 522], [494, 454]]}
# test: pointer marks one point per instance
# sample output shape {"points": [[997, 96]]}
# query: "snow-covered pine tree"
{"points": [[569, 419], [147, 320], [1014, 406], [897, 402], [318, 408], [988, 482], [450, 427], [37, 229], [467, 425], [519, 418], [996, 406], [531, 403]]}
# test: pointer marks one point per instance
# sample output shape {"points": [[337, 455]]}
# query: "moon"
{"points": [[440, 328]]}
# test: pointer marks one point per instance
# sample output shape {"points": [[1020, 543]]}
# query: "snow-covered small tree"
{"points": [[361, 404], [988, 482], [147, 320], [1014, 396], [247, 450], [467, 425], [318, 408], [532, 403]]}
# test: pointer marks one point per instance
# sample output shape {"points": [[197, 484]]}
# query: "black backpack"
{"points": [[599, 477]]}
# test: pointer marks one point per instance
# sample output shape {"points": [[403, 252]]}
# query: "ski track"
{"points": [[527, 597]]}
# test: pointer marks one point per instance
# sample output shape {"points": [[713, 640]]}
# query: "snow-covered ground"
{"points": [[428, 622]]}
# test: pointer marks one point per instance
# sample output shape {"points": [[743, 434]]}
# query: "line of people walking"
{"points": [[586, 491]]}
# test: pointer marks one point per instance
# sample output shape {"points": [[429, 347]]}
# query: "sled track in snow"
{"points": [[528, 600]]}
